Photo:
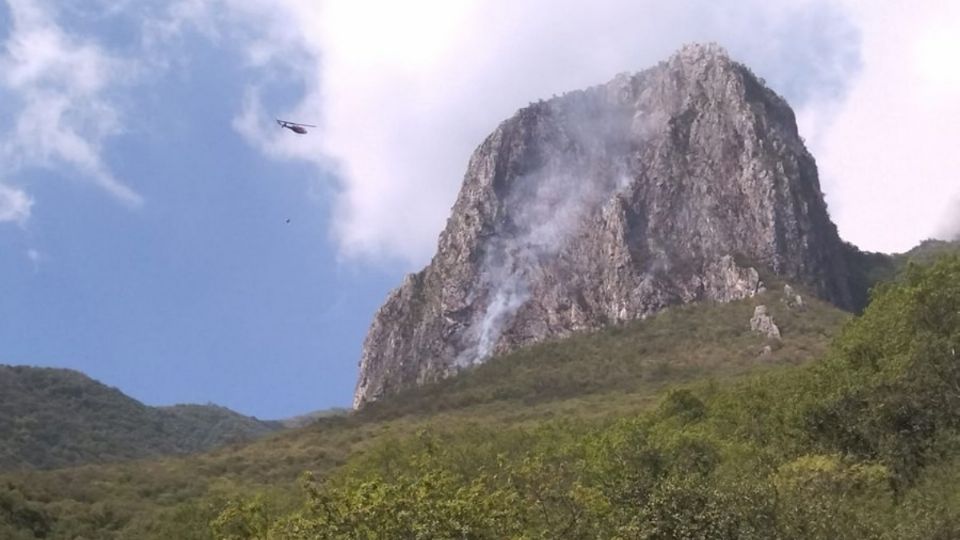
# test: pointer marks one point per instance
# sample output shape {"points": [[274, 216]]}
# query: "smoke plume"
{"points": [[543, 210]]}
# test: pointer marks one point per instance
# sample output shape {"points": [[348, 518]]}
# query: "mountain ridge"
{"points": [[54, 417]]}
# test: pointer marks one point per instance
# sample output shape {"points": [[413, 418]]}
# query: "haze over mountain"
{"points": [[685, 182]]}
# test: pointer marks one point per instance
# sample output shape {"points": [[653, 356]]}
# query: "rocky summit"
{"points": [[684, 182]]}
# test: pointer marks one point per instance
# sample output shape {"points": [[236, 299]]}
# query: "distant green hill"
{"points": [[59, 417], [303, 420]]}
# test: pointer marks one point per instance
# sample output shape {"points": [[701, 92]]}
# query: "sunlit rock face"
{"points": [[604, 205]]}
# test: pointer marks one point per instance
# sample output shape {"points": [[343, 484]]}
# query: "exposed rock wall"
{"points": [[672, 185]]}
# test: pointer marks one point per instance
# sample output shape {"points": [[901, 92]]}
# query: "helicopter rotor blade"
{"points": [[288, 123]]}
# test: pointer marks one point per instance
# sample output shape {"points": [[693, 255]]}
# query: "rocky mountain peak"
{"points": [[699, 54], [680, 183]]}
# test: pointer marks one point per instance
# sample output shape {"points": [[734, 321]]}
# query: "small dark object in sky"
{"points": [[288, 220], [299, 129]]}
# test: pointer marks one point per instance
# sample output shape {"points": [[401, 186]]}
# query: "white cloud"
{"points": [[949, 227], [14, 205], [405, 91], [888, 152], [278, 40], [59, 84]]}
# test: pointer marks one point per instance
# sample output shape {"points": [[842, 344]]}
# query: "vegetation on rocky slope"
{"points": [[592, 378], [861, 445]]}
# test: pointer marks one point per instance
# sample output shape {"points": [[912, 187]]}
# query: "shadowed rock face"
{"points": [[609, 204]]}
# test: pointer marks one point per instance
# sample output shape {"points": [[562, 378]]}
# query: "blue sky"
{"points": [[145, 191], [202, 291]]}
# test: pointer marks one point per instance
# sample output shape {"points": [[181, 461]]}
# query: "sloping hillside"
{"points": [[58, 417], [588, 379], [547, 401], [863, 444]]}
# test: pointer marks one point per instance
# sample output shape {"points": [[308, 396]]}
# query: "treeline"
{"points": [[863, 444]]}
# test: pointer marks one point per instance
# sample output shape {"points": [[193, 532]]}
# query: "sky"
{"points": [[159, 232]]}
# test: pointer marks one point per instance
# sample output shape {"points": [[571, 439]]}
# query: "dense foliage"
{"points": [[865, 444], [58, 417], [867, 269]]}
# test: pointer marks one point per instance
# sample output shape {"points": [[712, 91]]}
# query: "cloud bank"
{"points": [[405, 92], [887, 152]]}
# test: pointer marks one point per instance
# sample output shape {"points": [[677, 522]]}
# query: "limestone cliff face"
{"points": [[667, 186]]}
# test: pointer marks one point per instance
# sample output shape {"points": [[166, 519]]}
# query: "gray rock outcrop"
{"points": [[680, 183], [763, 324], [791, 298]]}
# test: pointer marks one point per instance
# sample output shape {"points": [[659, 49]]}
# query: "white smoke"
{"points": [[509, 296], [544, 212]]}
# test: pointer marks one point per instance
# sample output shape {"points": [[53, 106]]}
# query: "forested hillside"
{"points": [[59, 417]]}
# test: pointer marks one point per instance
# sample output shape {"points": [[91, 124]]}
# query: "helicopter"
{"points": [[299, 129]]}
